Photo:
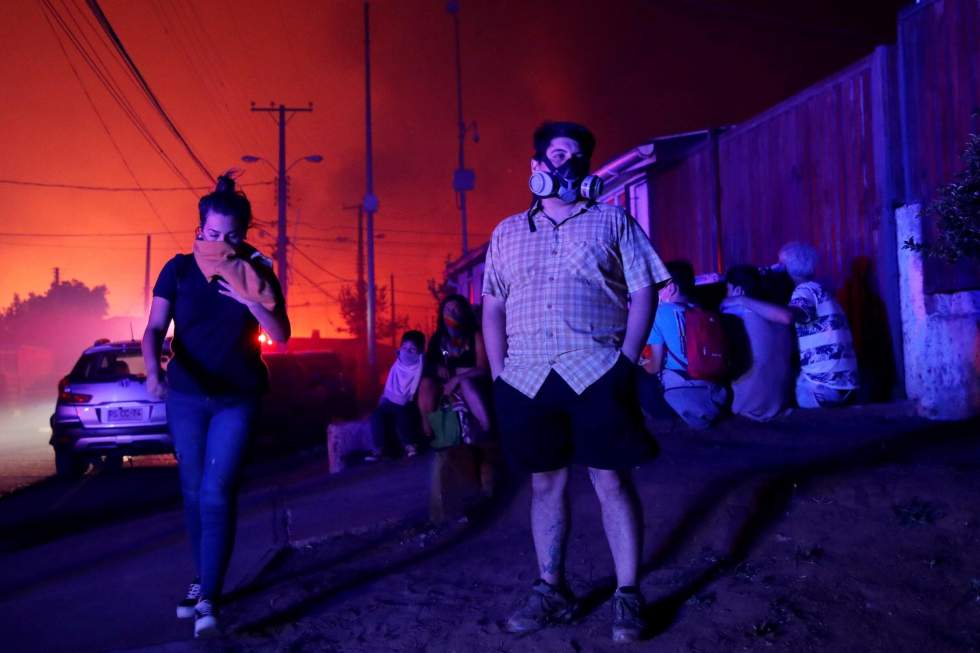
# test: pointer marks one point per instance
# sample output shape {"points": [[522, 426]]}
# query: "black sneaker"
{"points": [[185, 609], [627, 608], [205, 619], [545, 605]]}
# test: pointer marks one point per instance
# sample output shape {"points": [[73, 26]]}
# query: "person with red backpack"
{"points": [[688, 354]]}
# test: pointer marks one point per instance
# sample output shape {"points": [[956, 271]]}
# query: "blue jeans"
{"points": [[695, 401], [405, 419], [210, 435], [814, 395]]}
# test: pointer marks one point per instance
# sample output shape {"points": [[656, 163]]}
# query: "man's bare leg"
{"points": [[620, 520], [549, 523], [548, 603]]}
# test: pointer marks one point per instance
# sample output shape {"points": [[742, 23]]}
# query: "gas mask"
{"points": [[568, 182]]}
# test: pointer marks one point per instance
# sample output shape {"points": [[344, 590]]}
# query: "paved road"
{"points": [[97, 564], [25, 455]]}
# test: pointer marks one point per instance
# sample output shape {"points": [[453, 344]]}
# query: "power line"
{"points": [[60, 246], [318, 266], [98, 114], [196, 27], [203, 70], [99, 68], [121, 234], [326, 293], [396, 231], [119, 189], [379, 242], [344, 240], [107, 27], [388, 255]]}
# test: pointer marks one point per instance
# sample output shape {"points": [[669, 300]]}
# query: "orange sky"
{"points": [[630, 69]]}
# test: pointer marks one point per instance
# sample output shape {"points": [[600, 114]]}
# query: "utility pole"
{"points": [[57, 277], [463, 179], [360, 250], [282, 241], [370, 201], [394, 342], [146, 277]]}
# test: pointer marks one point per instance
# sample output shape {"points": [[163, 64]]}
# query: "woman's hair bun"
{"points": [[226, 199], [226, 184]]}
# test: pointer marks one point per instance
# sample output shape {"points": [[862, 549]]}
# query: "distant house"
{"points": [[465, 274]]}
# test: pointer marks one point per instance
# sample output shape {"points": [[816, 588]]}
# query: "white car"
{"points": [[104, 411]]}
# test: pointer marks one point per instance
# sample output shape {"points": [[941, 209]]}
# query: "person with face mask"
{"points": [[569, 294], [456, 364], [397, 404], [220, 298]]}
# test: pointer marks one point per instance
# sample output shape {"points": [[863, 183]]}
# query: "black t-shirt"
{"points": [[434, 358], [216, 348]]}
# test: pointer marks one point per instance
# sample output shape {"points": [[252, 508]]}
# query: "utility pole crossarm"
{"points": [[282, 240]]}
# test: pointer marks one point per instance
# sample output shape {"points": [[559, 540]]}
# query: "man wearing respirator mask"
{"points": [[569, 298]]}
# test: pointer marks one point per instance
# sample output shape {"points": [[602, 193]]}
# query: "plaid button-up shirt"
{"points": [[566, 290]]}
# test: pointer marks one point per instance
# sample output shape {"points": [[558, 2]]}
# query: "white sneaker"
{"points": [[205, 621], [185, 609]]}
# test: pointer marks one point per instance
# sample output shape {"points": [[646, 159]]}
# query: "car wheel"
{"points": [[68, 464]]}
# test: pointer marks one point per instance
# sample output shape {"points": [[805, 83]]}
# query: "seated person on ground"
{"points": [[762, 351], [456, 369], [828, 367], [697, 401], [397, 409]]}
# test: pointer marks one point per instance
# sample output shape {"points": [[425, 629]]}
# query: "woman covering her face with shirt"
{"points": [[220, 298]]}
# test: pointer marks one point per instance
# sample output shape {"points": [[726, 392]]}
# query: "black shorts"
{"points": [[602, 428]]}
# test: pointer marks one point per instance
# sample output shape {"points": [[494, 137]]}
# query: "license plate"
{"points": [[125, 414]]}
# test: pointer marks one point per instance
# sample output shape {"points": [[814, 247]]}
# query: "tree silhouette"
{"points": [[353, 310], [65, 319]]}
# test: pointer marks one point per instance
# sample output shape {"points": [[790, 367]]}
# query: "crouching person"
{"points": [[762, 353], [397, 410], [828, 366], [697, 401]]}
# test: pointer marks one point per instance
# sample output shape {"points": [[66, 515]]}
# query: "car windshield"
{"points": [[110, 365]]}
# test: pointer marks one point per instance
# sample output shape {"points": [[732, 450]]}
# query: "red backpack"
{"points": [[705, 345]]}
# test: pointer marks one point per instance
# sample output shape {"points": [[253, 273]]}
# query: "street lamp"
{"points": [[312, 158], [282, 242]]}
